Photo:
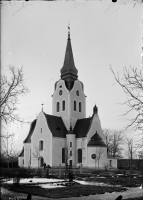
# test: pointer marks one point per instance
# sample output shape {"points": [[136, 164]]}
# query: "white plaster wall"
{"points": [[46, 136], [95, 126], [57, 145], [69, 116], [102, 160], [114, 163], [20, 161], [59, 98], [80, 98], [71, 138], [81, 143], [27, 147]]}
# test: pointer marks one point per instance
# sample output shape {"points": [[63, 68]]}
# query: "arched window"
{"points": [[79, 154], [63, 155], [40, 145], [41, 161], [58, 106], [79, 106], [63, 105], [75, 105]]}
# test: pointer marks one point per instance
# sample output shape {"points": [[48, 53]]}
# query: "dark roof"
{"points": [[55, 125], [70, 131], [32, 126], [82, 126], [96, 140], [22, 153], [69, 66]]}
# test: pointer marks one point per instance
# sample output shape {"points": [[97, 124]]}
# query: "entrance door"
{"points": [[41, 161], [70, 163]]}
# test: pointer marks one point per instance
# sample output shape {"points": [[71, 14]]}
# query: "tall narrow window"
{"points": [[79, 152], [40, 145], [75, 105], [70, 153], [63, 105], [58, 106], [79, 106], [63, 155], [70, 144], [41, 130]]}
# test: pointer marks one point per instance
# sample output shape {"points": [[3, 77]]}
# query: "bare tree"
{"points": [[37, 153], [108, 139], [10, 90], [140, 155], [132, 85], [117, 142], [98, 155], [131, 153], [114, 140], [9, 152]]}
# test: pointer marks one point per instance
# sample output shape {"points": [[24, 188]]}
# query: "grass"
{"points": [[65, 192], [124, 182], [78, 190]]}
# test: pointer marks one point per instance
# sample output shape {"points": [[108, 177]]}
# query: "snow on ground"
{"points": [[53, 185], [50, 185], [92, 183], [35, 180]]}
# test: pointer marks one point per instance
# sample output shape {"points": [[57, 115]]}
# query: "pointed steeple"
{"points": [[69, 71]]}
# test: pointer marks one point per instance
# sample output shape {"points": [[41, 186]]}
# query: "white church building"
{"points": [[66, 135]]}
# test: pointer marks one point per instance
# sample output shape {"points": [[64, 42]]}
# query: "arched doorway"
{"points": [[41, 161]]}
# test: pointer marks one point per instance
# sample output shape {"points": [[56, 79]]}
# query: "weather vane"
{"points": [[42, 106], [69, 30]]}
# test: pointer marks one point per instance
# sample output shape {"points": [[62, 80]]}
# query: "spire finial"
{"points": [[42, 106], [68, 30]]}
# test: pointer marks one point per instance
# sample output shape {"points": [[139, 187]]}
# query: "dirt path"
{"points": [[131, 193]]}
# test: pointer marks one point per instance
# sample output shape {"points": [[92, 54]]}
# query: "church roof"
{"points": [[32, 126], [69, 69], [96, 140], [55, 125], [21, 153], [82, 126]]}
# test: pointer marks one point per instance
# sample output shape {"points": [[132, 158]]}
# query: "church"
{"points": [[66, 137]]}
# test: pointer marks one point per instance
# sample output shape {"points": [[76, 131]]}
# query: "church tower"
{"points": [[69, 100]]}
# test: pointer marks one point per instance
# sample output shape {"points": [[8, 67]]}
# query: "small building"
{"points": [[66, 136], [112, 162]]}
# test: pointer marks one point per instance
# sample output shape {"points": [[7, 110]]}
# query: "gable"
{"points": [[82, 126], [55, 125]]}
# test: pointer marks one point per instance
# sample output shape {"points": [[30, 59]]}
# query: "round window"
{"points": [[93, 156]]}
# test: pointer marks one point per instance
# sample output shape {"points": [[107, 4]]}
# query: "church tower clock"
{"points": [[69, 100]]}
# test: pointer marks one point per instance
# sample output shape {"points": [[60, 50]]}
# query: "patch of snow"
{"points": [[92, 183], [50, 186], [35, 180]]}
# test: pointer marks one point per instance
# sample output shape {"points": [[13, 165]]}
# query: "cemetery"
{"points": [[68, 183]]}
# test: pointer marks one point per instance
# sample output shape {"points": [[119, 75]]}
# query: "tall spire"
{"points": [[69, 71]]}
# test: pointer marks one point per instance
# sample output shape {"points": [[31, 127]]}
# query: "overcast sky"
{"points": [[34, 34]]}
